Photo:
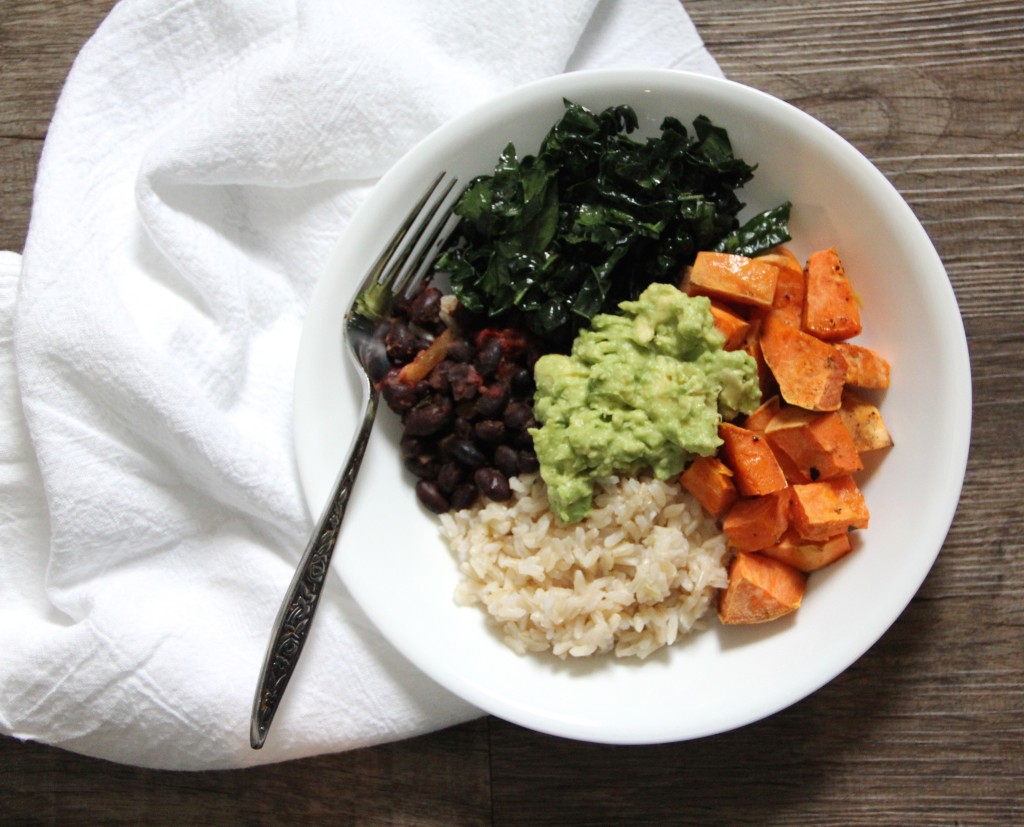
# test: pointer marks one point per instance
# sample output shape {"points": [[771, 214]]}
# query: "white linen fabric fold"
{"points": [[203, 159]]}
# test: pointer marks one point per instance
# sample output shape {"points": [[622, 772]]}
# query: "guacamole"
{"points": [[641, 391]]}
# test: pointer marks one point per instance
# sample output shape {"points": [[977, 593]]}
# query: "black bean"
{"points": [[506, 459], [401, 343], [438, 379], [462, 427], [373, 356], [430, 495], [428, 417], [492, 400], [444, 446], [419, 456], [518, 416], [489, 357], [521, 382], [399, 396], [410, 446], [467, 453], [424, 466], [463, 380], [449, 475], [492, 483], [400, 305], [425, 308], [489, 431], [522, 439], [528, 462], [461, 350], [464, 496]]}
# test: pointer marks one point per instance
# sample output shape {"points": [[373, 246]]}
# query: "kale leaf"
{"points": [[762, 232], [549, 240]]}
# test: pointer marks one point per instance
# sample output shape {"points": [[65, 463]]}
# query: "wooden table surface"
{"points": [[928, 726]]}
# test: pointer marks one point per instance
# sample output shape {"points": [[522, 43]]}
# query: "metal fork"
{"points": [[396, 271]]}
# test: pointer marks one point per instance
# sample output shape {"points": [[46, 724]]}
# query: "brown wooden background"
{"points": [[928, 727]]}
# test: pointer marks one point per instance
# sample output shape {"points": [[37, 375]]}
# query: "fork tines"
{"points": [[404, 272]]}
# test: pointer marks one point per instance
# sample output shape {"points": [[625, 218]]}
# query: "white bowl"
{"points": [[395, 564]]}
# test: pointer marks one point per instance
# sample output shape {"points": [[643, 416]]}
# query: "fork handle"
{"points": [[295, 616]]}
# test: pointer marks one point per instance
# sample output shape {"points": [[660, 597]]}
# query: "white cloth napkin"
{"points": [[203, 158]]}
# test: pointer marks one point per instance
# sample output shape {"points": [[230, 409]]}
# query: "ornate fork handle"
{"points": [[296, 614], [396, 270]]}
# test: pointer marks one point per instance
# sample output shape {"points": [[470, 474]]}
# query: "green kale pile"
{"points": [[550, 240]]}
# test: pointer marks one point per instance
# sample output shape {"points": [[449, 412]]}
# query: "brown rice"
{"points": [[639, 571]]}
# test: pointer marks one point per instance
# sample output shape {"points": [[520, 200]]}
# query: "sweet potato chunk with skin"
{"points": [[806, 555], [819, 444], [782, 256], [711, 483], [751, 459], [756, 522], [732, 278], [765, 380], [760, 589], [864, 422], [811, 373], [864, 367], [830, 307], [827, 508], [733, 327], [759, 419]]}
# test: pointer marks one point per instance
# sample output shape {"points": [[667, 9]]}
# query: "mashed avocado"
{"points": [[644, 390]]}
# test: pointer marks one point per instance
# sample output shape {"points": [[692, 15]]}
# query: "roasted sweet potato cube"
{"points": [[827, 508], [732, 278], [788, 302], [810, 372], [795, 475], [754, 523], [865, 368], [732, 326], [830, 307], [760, 589], [751, 459], [711, 483], [808, 555], [765, 412], [864, 422], [818, 444]]}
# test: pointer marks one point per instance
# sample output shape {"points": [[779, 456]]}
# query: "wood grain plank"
{"points": [[39, 40], [440, 779], [19, 160]]}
